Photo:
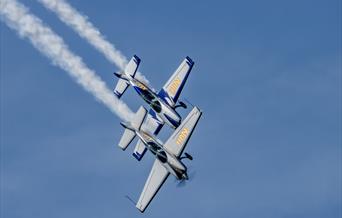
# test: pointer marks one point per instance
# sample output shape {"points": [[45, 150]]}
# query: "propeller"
{"points": [[183, 182]]}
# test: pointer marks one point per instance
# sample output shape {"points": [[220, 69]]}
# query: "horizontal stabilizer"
{"points": [[121, 87], [132, 66], [139, 150], [131, 127], [130, 71], [139, 118], [126, 138]]}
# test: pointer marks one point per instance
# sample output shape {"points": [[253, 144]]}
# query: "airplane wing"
{"points": [[180, 137], [130, 69], [174, 86], [152, 124], [155, 180]]}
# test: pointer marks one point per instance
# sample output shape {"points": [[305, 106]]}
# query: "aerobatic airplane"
{"points": [[163, 103], [168, 155]]}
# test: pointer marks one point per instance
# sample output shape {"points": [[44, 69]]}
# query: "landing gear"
{"points": [[181, 104], [187, 156]]}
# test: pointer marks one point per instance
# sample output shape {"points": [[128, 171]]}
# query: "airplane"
{"points": [[167, 155], [163, 103]]}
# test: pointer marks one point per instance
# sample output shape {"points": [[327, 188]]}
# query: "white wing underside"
{"points": [[120, 87], [175, 144], [180, 137], [155, 180], [174, 86]]}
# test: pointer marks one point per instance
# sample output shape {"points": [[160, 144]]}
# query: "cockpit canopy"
{"points": [[158, 151], [162, 156], [154, 146], [151, 99], [156, 106]]}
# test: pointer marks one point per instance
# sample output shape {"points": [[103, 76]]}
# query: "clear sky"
{"points": [[267, 75]]}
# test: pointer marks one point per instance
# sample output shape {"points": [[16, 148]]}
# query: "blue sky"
{"points": [[267, 76]]}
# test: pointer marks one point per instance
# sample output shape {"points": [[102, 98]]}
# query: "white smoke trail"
{"points": [[84, 28], [18, 17]]}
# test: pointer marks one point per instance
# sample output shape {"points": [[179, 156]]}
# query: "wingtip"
{"points": [[141, 211], [197, 109], [137, 156], [189, 60], [136, 59], [117, 74], [117, 94]]}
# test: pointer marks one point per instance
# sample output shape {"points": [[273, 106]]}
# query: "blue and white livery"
{"points": [[167, 155], [162, 104]]}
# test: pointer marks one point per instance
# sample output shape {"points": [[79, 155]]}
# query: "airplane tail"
{"points": [[129, 72], [130, 128]]}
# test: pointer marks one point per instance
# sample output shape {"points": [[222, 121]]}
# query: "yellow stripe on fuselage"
{"points": [[141, 86]]}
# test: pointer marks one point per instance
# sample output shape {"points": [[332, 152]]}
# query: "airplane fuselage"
{"points": [[169, 161], [163, 111]]}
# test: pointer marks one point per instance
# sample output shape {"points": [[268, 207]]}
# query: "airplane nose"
{"points": [[185, 176]]}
